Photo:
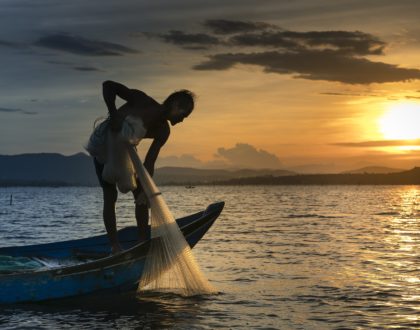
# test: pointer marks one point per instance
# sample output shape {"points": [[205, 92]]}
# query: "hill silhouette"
{"points": [[187, 175], [411, 177], [51, 169], [374, 170], [47, 169]]}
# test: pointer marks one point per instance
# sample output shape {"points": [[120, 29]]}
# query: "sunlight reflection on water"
{"points": [[289, 257]]}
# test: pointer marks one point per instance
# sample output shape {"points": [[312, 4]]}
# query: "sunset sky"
{"points": [[310, 85]]}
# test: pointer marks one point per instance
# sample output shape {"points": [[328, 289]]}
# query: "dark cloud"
{"points": [[10, 110], [82, 46], [190, 40], [339, 94], [382, 143], [9, 44], [59, 62], [269, 35], [247, 156], [86, 68], [315, 65], [221, 26], [265, 39], [315, 55], [348, 42], [74, 66], [349, 94], [345, 42], [24, 112]]}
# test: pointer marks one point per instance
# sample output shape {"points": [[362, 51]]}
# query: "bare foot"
{"points": [[144, 234], [142, 237]]}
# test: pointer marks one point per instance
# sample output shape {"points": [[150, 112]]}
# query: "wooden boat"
{"points": [[89, 269]]}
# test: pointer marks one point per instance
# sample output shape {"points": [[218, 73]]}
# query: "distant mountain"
{"points": [[51, 169], [47, 169], [315, 168], [374, 170], [185, 175], [411, 177]]}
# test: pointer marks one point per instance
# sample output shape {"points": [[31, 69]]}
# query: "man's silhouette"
{"points": [[155, 118]]}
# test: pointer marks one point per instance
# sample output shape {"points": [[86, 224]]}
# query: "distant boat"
{"points": [[84, 266], [190, 187]]}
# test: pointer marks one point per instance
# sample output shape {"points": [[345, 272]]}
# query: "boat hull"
{"points": [[101, 273]]}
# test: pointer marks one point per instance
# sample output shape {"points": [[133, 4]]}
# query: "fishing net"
{"points": [[170, 264], [9, 264]]}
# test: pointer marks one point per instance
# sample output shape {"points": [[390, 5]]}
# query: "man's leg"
{"points": [[110, 195], [110, 198], [142, 215]]}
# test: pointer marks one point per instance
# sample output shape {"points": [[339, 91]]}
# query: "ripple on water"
{"points": [[287, 257]]}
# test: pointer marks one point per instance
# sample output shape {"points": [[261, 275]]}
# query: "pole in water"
{"points": [[11, 199]]}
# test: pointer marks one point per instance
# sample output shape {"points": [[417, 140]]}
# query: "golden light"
{"points": [[401, 121]]}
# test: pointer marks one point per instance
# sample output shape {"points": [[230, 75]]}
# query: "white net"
{"points": [[170, 264]]}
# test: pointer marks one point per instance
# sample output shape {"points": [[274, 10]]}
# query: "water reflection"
{"points": [[107, 312], [396, 261], [310, 257]]}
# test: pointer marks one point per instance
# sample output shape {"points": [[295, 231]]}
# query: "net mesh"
{"points": [[170, 264]]}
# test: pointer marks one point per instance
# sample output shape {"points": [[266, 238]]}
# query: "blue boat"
{"points": [[89, 269]]}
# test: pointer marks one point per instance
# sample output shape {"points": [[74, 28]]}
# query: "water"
{"points": [[286, 257]]}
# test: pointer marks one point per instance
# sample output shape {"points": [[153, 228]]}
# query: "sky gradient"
{"points": [[309, 85]]}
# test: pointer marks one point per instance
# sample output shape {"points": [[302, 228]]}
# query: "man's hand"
{"points": [[142, 199]]}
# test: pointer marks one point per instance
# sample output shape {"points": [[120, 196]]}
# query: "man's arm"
{"points": [[152, 154], [112, 89], [149, 164]]}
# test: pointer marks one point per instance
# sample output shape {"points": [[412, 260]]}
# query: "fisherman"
{"points": [[140, 117]]}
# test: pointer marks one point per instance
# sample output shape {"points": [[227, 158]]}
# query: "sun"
{"points": [[401, 121]]}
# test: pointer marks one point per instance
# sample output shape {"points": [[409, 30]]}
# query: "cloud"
{"points": [[82, 46], [366, 93], [74, 66], [242, 155], [24, 112], [344, 42], [314, 55], [86, 68], [344, 94], [185, 160], [381, 143], [10, 110], [247, 156], [9, 44], [315, 65], [221, 26], [195, 40], [59, 62]]}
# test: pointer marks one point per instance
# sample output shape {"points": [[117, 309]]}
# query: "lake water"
{"points": [[283, 257]]}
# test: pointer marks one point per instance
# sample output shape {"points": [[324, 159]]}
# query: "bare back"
{"points": [[143, 106]]}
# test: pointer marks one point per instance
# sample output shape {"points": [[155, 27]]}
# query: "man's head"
{"points": [[179, 105]]}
